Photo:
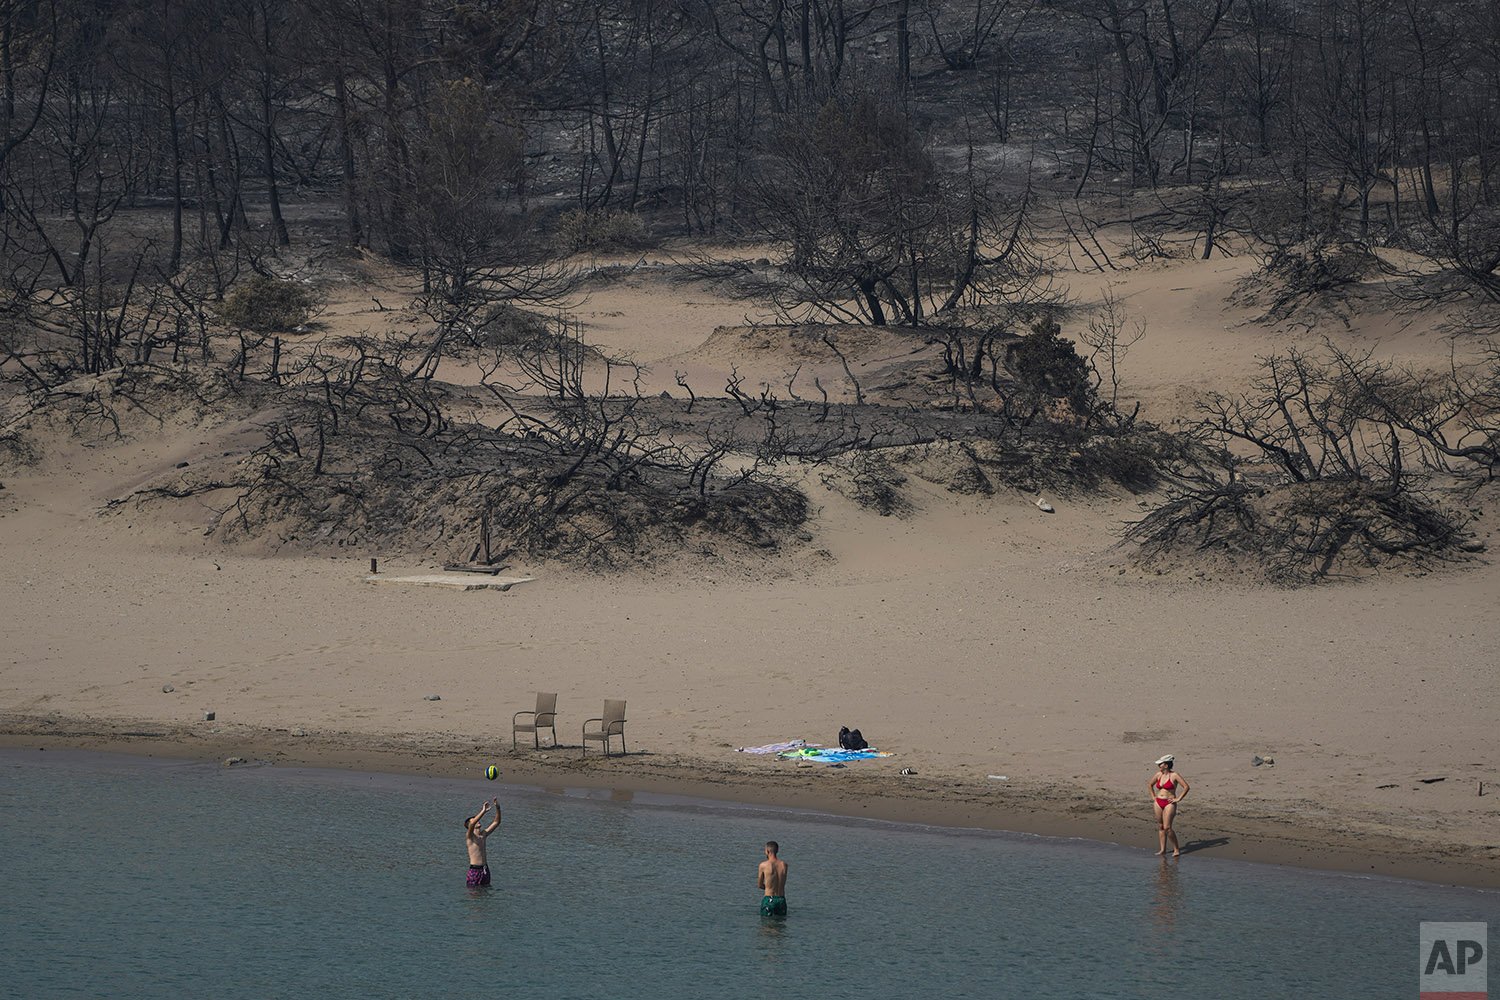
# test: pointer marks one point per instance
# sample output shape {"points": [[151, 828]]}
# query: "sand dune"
{"points": [[978, 636]]}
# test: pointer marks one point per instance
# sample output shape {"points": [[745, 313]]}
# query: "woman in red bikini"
{"points": [[1167, 789]]}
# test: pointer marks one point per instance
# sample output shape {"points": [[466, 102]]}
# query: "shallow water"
{"points": [[129, 878]]}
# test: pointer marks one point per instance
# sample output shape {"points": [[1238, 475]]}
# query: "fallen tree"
{"points": [[1331, 465]]}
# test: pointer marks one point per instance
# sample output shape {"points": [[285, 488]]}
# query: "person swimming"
{"points": [[1165, 796]]}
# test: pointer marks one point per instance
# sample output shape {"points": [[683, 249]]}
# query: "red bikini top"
{"points": [[1165, 786]]}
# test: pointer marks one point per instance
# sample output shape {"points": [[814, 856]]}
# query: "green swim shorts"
{"points": [[773, 906]]}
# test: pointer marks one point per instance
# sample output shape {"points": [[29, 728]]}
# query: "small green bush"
{"points": [[268, 305], [1049, 364]]}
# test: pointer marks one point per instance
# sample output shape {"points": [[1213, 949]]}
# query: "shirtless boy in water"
{"points": [[479, 869], [772, 881]]}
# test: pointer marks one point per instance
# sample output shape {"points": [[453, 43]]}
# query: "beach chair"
{"points": [[612, 723], [545, 717]]}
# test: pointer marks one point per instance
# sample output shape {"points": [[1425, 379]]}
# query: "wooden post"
{"points": [[372, 565]]}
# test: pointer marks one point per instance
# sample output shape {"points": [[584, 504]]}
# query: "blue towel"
{"points": [[826, 755]]}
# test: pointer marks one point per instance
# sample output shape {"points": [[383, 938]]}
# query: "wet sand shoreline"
{"points": [[1239, 830]]}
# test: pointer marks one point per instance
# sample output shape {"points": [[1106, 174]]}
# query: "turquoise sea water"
{"points": [[128, 878]]}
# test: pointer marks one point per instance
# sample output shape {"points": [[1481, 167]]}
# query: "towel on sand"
{"points": [[774, 747], [830, 755]]}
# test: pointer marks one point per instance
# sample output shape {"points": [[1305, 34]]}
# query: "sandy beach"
{"points": [[1093, 409], [977, 636]]}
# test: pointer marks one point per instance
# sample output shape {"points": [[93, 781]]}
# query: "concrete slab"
{"points": [[454, 581]]}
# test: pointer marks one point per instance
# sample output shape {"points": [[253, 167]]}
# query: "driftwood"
{"points": [[473, 568]]}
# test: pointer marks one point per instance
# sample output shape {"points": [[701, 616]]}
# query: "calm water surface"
{"points": [[124, 878]]}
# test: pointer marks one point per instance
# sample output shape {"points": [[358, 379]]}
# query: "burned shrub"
{"points": [[1299, 533], [1328, 466], [1313, 276], [600, 230], [871, 480]]}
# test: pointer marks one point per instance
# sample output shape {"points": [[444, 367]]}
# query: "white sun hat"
{"points": [[1165, 759]]}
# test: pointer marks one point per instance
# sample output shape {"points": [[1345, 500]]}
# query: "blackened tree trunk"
{"points": [[174, 129], [351, 196], [268, 127]]}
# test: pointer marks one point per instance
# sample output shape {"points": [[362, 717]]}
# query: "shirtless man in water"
{"points": [[474, 837], [772, 881]]}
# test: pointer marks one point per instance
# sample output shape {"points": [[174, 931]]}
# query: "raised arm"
{"points": [[496, 824], [479, 815]]}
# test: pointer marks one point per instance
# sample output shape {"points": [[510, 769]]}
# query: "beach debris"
{"points": [[907, 771], [167, 689], [999, 777], [1385, 786], [487, 569], [1043, 506], [374, 566], [432, 697], [1481, 788], [456, 581], [1256, 761], [232, 761], [1432, 781], [299, 732], [208, 716]]}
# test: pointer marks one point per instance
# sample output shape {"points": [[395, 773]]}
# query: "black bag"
{"points": [[850, 739]]}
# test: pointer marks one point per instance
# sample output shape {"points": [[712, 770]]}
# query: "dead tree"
{"points": [[1324, 467]]}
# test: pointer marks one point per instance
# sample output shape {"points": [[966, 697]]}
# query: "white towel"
{"points": [[774, 747]]}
